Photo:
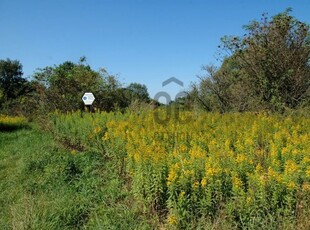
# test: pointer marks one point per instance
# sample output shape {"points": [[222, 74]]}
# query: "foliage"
{"points": [[268, 68], [138, 92], [46, 186], [251, 168], [14, 89], [62, 87], [11, 81]]}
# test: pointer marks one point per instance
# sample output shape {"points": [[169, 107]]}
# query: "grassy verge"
{"points": [[45, 186]]}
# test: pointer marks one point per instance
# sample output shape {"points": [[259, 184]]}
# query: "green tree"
{"points": [[267, 68], [65, 84], [15, 91], [274, 54], [111, 96], [226, 89], [62, 87], [12, 84], [138, 91]]}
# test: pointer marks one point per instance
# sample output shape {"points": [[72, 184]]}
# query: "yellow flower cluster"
{"points": [[241, 153], [209, 159], [8, 122]]}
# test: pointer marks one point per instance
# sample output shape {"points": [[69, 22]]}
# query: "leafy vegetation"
{"points": [[64, 83], [266, 69], [126, 164], [14, 89], [252, 169], [46, 186]]}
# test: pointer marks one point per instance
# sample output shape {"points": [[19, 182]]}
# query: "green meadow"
{"points": [[45, 185]]}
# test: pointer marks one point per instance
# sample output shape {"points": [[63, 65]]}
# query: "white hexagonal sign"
{"points": [[88, 98]]}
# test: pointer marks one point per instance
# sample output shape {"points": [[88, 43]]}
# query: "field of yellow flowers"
{"points": [[11, 123], [250, 168]]}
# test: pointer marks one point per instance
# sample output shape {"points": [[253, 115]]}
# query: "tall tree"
{"points": [[12, 84], [266, 68], [62, 87], [274, 54], [138, 91], [66, 83]]}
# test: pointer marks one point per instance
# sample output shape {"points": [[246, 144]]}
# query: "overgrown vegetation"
{"points": [[243, 164], [47, 186], [266, 69], [65, 83], [250, 171]]}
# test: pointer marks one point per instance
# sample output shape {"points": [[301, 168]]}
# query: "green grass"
{"points": [[45, 186]]}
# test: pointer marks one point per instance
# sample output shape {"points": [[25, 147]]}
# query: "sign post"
{"points": [[88, 99]]}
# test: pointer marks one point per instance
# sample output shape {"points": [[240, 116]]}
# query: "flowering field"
{"points": [[249, 169], [10, 123]]}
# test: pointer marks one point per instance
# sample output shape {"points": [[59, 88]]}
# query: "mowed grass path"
{"points": [[46, 186]]}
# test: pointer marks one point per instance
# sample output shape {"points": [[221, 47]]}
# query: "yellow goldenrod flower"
{"points": [[203, 182], [172, 219], [291, 167]]}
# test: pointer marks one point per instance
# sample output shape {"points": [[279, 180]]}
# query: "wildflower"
{"points": [[259, 168], [182, 194], [73, 151], [271, 173], [291, 167], [306, 187], [308, 172], [197, 152], [195, 185], [241, 158], [97, 130], [105, 136], [227, 144], [189, 172], [136, 157], [211, 171], [291, 185], [203, 182], [172, 219], [172, 176], [249, 141], [237, 183]]}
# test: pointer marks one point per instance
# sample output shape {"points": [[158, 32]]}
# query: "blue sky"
{"points": [[143, 41]]}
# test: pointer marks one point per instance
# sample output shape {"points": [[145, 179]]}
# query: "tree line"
{"points": [[62, 87], [268, 68]]}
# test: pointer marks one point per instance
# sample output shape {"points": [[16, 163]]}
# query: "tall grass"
{"points": [[247, 170], [44, 185]]}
